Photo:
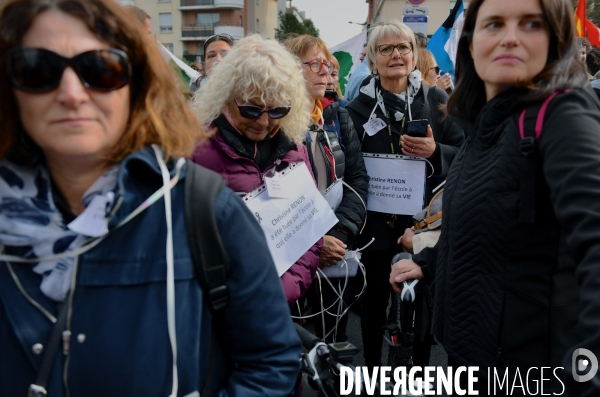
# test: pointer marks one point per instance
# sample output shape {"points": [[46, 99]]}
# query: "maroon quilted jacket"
{"points": [[224, 153]]}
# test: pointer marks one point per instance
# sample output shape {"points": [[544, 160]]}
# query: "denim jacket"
{"points": [[119, 344]]}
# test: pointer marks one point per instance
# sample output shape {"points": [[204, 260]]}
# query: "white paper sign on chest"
{"points": [[275, 186], [397, 183], [373, 126], [293, 224]]}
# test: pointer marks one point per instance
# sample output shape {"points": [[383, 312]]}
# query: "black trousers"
{"points": [[374, 306]]}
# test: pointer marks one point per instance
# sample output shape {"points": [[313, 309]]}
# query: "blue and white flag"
{"points": [[444, 42]]}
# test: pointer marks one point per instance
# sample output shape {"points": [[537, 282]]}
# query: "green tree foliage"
{"points": [[291, 26]]}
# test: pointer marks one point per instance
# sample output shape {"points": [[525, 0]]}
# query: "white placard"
{"points": [[292, 225], [397, 183]]}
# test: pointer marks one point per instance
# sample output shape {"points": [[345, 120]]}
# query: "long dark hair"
{"points": [[157, 112], [563, 68]]}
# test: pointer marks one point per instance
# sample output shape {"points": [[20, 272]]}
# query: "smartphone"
{"points": [[417, 128]]}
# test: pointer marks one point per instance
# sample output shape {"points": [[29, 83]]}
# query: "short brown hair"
{"points": [[563, 67], [158, 114], [300, 45]]}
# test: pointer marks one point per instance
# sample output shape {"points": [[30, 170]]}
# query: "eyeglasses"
{"points": [[254, 112], [388, 49], [38, 70], [437, 69], [316, 65], [220, 36]]}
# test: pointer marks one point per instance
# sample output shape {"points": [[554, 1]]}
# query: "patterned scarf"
{"points": [[31, 226]]}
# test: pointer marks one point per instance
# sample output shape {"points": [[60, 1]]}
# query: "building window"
{"points": [[208, 19], [166, 23], [169, 46], [200, 49]]}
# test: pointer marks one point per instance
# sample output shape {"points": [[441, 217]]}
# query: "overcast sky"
{"points": [[331, 17]]}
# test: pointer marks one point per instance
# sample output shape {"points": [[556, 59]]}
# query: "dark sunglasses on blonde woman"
{"points": [[38, 70], [254, 112]]}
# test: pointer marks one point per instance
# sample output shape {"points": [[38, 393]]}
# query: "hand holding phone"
{"points": [[417, 128], [419, 140]]}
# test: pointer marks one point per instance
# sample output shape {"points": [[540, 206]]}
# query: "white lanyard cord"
{"points": [[170, 267]]}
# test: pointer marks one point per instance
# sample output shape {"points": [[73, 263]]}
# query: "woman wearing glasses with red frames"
{"points": [[257, 104], [335, 158], [98, 290], [387, 103]]}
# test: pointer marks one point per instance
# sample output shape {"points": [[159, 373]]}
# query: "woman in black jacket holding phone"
{"points": [[395, 95]]}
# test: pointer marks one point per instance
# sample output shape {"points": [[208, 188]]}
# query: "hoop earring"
{"points": [[374, 72]]}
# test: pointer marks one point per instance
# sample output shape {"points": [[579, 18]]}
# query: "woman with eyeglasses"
{"points": [[257, 104], [430, 71], [386, 106], [98, 290], [336, 161]]}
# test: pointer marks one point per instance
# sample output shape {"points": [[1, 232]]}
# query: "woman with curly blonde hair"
{"points": [[257, 103]]}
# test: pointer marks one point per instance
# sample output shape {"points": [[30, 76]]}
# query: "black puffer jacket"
{"points": [[514, 294], [351, 212], [447, 135]]}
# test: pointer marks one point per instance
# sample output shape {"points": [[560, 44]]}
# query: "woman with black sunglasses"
{"points": [[257, 104], [398, 159], [99, 294]]}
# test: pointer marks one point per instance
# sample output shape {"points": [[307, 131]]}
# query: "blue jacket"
{"points": [[120, 344]]}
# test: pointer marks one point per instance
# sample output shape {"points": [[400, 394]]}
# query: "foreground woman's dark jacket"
{"points": [[513, 294]]}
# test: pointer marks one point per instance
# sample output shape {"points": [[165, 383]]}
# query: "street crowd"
{"points": [[161, 243]]}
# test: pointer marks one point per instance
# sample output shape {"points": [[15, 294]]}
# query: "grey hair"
{"points": [[391, 28], [261, 70]]}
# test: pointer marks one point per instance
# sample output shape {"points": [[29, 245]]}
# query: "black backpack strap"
{"points": [[210, 258], [531, 123], [211, 261], [528, 150]]}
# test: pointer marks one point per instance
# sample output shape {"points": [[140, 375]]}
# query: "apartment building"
{"points": [[184, 25]]}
